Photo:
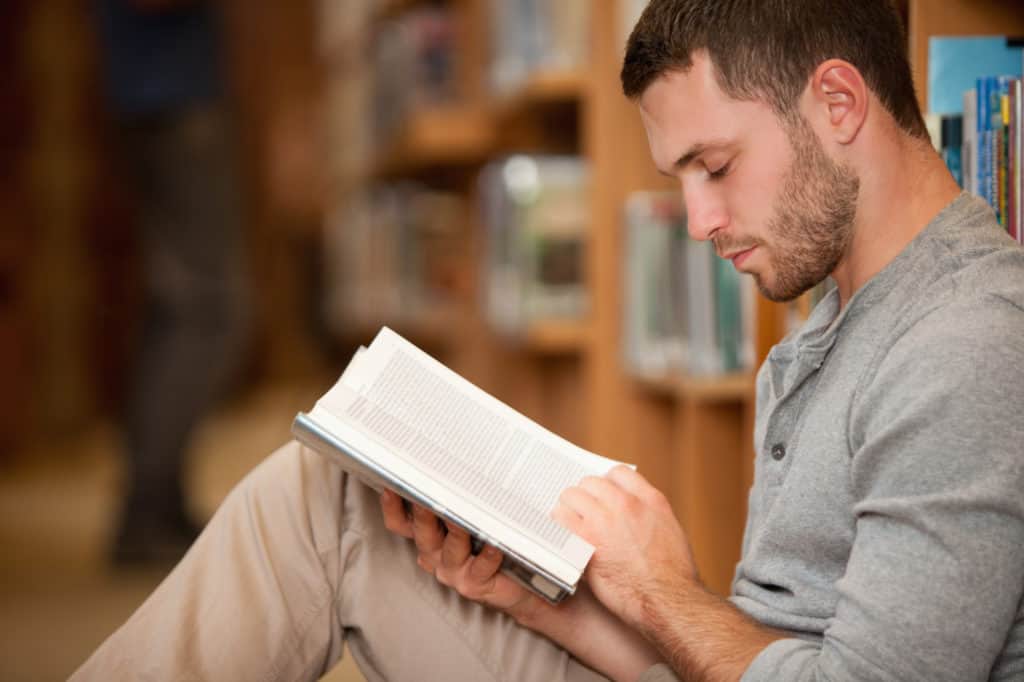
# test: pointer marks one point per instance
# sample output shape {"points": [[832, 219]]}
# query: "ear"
{"points": [[839, 93]]}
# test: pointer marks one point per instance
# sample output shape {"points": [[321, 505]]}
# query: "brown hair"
{"points": [[768, 49]]}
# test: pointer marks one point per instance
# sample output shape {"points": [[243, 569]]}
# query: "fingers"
{"points": [[568, 517], [604, 491], [395, 518], [446, 552], [426, 531], [581, 512], [590, 505], [582, 501], [456, 547], [485, 565], [630, 481]]}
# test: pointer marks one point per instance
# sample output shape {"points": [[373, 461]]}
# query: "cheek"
{"points": [[756, 197], [750, 213]]}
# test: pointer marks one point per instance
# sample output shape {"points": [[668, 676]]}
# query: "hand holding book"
{"points": [[642, 553], [447, 553], [611, 647], [399, 420]]}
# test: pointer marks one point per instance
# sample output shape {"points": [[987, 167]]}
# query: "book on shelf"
{"points": [[628, 17], [978, 80], [531, 36], [394, 253], [993, 148], [687, 311], [654, 310], [415, 67], [536, 214], [399, 419]]}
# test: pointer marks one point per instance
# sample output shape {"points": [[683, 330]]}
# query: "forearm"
{"points": [[702, 636], [610, 646]]}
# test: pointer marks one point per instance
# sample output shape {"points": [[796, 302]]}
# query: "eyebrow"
{"points": [[692, 153]]}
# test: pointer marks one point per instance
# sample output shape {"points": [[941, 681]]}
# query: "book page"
{"points": [[372, 364], [360, 454], [507, 464]]}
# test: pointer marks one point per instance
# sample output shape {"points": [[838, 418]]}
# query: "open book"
{"points": [[399, 419]]}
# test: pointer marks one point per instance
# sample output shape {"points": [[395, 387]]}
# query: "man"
{"points": [[166, 93], [886, 531]]}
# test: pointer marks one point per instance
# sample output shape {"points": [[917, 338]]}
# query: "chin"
{"points": [[773, 294]]}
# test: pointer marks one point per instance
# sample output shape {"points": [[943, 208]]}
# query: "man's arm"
{"points": [[643, 571], [935, 578], [609, 646]]}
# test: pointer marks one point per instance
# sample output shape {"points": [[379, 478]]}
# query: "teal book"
{"points": [[728, 315]]}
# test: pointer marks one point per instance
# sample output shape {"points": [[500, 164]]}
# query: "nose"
{"points": [[705, 213]]}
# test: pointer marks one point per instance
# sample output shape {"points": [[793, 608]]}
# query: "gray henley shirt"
{"points": [[886, 521]]}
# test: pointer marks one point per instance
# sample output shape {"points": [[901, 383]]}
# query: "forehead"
{"points": [[682, 111]]}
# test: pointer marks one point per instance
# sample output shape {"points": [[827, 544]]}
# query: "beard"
{"points": [[812, 222]]}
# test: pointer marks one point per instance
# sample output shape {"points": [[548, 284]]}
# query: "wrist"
{"points": [[528, 612], [662, 610]]}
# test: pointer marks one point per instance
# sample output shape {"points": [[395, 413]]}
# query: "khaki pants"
{"points": [[295, 563]]}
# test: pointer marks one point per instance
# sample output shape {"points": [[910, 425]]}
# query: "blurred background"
{"points": [[207, 205]]}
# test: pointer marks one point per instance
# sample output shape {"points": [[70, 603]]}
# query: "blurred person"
{"points": [[165, 83], [885, 532]]}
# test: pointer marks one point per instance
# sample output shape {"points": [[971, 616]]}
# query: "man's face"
{"points": [[765, 193]]}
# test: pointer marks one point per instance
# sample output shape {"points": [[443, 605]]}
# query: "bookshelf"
{"points": [[927, 18], [544, 88], [436, 138], [556, 338], [691, 436]]}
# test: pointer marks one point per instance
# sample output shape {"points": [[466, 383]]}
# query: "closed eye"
{"points": [[719, 172]]}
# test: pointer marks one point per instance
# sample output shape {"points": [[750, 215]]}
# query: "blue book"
{"points": [[984, 88], [956, 62]]}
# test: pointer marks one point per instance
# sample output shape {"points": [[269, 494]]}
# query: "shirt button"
{"points": [[778, 452]]}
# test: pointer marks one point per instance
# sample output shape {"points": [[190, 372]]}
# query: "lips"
{"points": [[738, 257]]}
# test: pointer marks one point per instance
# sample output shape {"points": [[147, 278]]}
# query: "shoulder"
{"points": [[967, 310], [960, 360]]}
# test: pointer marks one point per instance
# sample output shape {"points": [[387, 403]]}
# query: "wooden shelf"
{"points": [[390, 9], [434, 327], [661, 385], [542, 89], [556, 337], [720, 389], [444, 136], [729, 388]]}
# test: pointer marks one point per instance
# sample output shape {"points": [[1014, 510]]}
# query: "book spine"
{"points": [[984, 165], [1012, 162], [655, 269], [951, 146], [728, 314], [1017, 160], [1003, 159], [700, 288], [970, 141]]}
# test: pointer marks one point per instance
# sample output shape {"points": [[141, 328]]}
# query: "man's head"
{"points": [[768, 49], [722, 86]]}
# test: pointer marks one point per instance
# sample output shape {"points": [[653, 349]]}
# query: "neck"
{"points": [[904, 184]]}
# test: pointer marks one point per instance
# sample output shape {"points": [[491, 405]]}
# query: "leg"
{"points": [[295, 561], [195, 308]]}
